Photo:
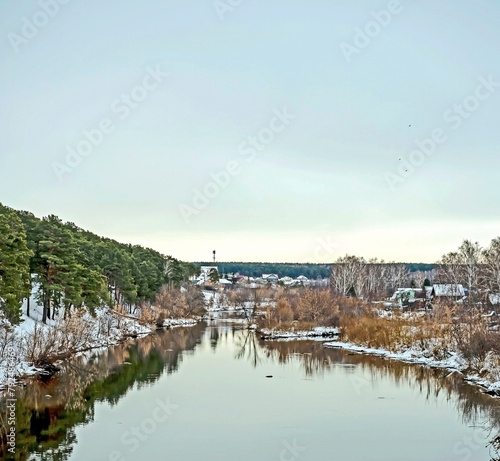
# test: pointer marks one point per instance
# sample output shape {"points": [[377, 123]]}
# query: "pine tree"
{"points": [[15, 284], [56, 266]]}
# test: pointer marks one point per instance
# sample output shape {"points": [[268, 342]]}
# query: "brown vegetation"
{"points": [[436, 334], [173, 302]]}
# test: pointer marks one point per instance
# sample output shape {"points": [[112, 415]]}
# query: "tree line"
{"points": [[73, 268], [256, 269], [309, 270], [474, 267], [371, 279]]}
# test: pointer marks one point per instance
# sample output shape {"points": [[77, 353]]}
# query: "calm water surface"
{"points": [[202, 393]]}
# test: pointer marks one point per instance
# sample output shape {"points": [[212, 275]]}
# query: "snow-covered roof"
{"points": [[225, 282], [494, 298], [267, 276], [401, 292], [302, 277], [448, 289]]}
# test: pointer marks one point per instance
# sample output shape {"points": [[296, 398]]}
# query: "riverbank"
{"points": [[316, 333], [33, 348], [456, 336], [486, 377]]}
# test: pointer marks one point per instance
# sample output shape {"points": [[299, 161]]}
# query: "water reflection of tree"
{"points": [[46, 425], [247, 346], [314, 358], [475, 407]]}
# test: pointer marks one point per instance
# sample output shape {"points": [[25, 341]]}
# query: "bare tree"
{"points": [[470, 256], [347, 275], [397, 275], [463, 266], [491, 260]]}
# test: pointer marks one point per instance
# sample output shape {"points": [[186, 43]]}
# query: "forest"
{"points": [[310, 270], [73, 268]]}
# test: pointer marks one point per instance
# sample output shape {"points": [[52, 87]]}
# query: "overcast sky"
{"points": [[269, 130]]}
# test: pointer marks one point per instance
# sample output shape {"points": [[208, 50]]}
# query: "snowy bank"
{"points": [[322, 332], [23, 344], [488, 378]]}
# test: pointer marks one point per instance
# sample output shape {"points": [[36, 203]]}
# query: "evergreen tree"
{"points": [[15, 284]]}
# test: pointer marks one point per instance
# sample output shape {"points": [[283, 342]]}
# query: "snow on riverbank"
{"points": [[490, 373], [107, 328], [300, 334], [454, 362], [172, 323]]}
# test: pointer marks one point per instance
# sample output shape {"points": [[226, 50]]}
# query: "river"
{"points": [[218, 392]]}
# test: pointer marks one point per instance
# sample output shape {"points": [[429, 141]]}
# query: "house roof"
{"points": [[448, 289]]}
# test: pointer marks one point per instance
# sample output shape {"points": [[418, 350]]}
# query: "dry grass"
{"points": [[49, 342], [436, 334]]}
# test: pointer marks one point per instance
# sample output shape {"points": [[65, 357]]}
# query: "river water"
{"points": [[218, 392]]}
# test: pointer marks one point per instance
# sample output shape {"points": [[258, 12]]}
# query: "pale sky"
{"points": [[300, 110]]}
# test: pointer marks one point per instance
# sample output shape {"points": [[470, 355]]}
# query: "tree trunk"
{"points": [[28, 308], [44, 315]]}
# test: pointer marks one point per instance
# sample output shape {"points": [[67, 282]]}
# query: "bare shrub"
{"points": [[106, 322], [41, 343], [7, 339], [172, 302], [194, 299], [283, 311], [317, 306], [74, 333], [147, 313], [49, 342]]}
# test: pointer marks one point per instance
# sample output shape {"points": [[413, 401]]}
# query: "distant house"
{"points": [[408, 296], [270, 278], [302, 278], [447, 290]]}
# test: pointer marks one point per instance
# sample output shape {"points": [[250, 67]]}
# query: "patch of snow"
{"points": [[105, 329], [315, 332]]}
